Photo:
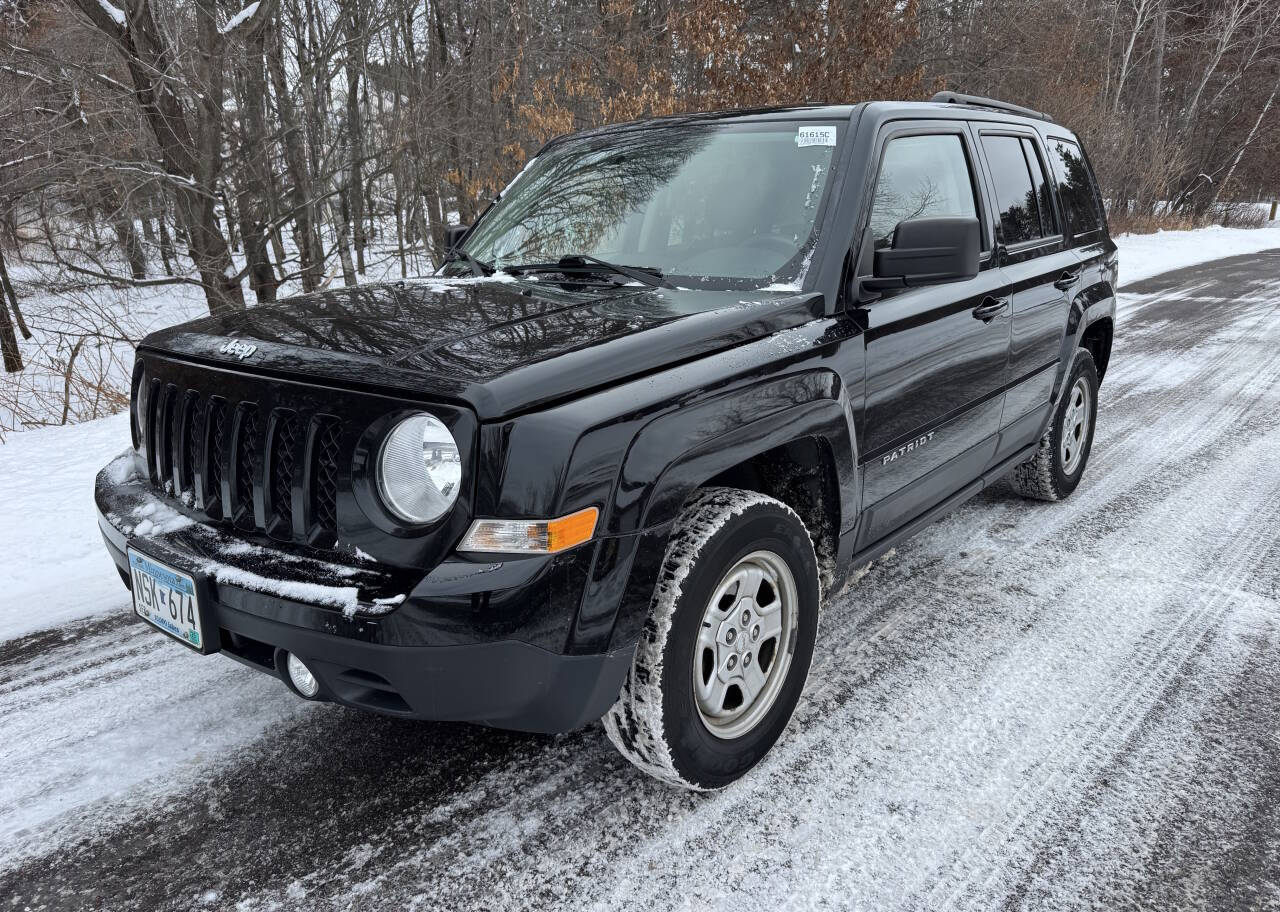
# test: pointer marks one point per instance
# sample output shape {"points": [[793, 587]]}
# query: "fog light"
{"points": [[302, 677]]}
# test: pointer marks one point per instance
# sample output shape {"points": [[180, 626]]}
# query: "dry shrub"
{"points": [[1147, 222], [1228, 215]]}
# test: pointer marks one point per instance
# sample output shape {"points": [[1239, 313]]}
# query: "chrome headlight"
{"points": [[419, 469]]}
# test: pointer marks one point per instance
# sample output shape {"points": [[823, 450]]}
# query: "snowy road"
{"points": [[1028, 706]]}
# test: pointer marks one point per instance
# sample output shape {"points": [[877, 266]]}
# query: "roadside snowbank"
{"points": [[1145, 255], [52, 560]]}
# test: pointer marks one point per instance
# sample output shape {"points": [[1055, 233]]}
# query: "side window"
{"points": [[1015, 195], [921, 176], [1048, 222], [1075, 187]]}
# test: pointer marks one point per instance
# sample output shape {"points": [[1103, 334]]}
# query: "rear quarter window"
{"points": [[1076, 189]]}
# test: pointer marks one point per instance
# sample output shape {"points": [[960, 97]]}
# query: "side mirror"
{"points": [[453, 234], [928, 251]]}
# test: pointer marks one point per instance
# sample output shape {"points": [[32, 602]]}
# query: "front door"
{"points": [[936, 356]]}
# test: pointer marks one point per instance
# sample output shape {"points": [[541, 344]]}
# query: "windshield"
{"points": [[729, 204]]}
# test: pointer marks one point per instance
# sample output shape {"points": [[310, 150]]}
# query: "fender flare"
{"points": [[656, 478]]}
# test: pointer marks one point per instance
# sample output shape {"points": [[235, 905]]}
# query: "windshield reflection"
{"points": [[712, 203]]}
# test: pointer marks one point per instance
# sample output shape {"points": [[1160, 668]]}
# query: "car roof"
{"points": [[877, 112]]}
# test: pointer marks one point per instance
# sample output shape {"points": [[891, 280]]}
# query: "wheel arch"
{"points": [[1097, 338], [802, 452]]}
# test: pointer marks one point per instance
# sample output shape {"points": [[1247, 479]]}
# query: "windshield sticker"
{"points": [[815, 136]]}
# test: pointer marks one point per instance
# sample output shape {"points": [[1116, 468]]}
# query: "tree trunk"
{"points": [[9, 341], [127, 235], [305, 216], [256, 186], [6, 291], [166, 242], [355, 132], [1217, 192], [193, 160]]}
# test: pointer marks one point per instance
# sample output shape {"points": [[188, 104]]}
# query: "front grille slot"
{"points": [[189, 438], [324, 479], [214, 450], [246, 460], [152, 407], [284, 445], [262, 466], [162, 435]]}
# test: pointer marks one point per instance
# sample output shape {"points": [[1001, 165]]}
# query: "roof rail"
{"points": [[979, 101]]}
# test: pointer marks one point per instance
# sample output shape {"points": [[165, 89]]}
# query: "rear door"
{"points": [[935, 356], [1083, 215], [1043, 271]]}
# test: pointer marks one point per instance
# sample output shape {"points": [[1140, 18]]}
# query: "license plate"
{"points": [[166, 598]]}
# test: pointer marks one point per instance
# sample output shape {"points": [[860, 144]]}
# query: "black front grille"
{"points": [[263, 468]]}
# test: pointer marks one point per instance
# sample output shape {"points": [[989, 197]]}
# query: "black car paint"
{"points": [[568, 395]]}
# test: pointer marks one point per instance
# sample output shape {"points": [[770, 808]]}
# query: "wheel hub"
{"points": [[1075, 426], [741, 658]]}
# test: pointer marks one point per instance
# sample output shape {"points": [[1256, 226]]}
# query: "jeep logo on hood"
{"points": [[237, 349]]}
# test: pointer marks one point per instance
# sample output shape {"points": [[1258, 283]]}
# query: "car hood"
{"points": [[499, 345]]}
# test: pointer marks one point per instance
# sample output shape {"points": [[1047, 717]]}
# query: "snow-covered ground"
{"points": [[1032, 705], [54, 566], [1146, 255]]}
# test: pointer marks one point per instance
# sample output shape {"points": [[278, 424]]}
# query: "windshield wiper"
{"points": [[479, 267], [581, 262]]}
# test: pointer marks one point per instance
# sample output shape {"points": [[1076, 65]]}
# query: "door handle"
{"points": [[989, 308], [1066, 280]]}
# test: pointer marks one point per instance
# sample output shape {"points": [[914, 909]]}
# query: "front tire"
{"points": [[1058, 465], [726, 650]]}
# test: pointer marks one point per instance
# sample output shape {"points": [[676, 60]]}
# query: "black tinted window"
{"points": [[921, 176], [1015, 196], [1048, 223], [1075, 188]]}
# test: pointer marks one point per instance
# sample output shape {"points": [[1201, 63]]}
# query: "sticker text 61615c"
{"points": [[815, 136]]}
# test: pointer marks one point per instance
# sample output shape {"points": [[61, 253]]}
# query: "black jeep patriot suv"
{"points": [[671, 387]]}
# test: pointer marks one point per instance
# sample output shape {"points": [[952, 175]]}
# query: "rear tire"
{"points": [[725, 652], [1059, 463]]}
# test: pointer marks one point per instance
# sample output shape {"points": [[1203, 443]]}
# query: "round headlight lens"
{"points": [[419, 469]]}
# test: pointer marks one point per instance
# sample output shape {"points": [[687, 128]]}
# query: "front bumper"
{"points": [[467, 642]]}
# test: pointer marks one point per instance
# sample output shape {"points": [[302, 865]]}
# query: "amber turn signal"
{"points": [[530, 536]]}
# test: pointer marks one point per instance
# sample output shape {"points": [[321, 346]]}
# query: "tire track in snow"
{"points": [[75, 718], [1138, 447], [1113, 720]]}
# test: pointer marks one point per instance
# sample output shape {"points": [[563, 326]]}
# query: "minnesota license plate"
{"points": [[166, 598]]}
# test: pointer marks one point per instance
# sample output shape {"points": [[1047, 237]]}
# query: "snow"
{"points": [[1146, 255], [134, 718], [113, 11], [345, 597], [519, 174], [55, 567], [235, 21], [457, 283]]}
